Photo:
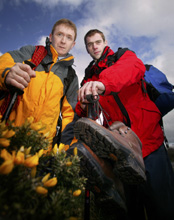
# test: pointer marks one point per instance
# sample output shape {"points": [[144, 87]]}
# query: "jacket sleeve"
{"points": [[69, 117], [10, 58], [126, 71], [6, 62], [80, 112]]}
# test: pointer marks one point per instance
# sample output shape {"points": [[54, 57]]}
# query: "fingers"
{"points": [[20, 75], [83, 91], [92, 87]]}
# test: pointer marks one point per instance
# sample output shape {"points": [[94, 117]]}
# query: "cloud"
{"points": [[41, 40], [52, 3], [1, 53], [133, 23]]}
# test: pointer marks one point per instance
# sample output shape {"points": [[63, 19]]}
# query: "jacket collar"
{"points": [[66, 61]]}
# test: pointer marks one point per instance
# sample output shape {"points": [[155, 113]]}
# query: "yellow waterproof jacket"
{"points": [[42, 98]]}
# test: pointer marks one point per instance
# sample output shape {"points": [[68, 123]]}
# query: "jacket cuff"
{"points": [[3, 77], [107, 90], [80, 112]]}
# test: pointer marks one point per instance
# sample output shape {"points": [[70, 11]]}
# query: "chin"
{"points": [[98, 57]]}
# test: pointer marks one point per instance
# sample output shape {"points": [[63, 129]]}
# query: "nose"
{"points": [[94, 46], [63, 39]]}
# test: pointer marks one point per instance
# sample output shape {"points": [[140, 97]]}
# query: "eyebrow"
{"points": [[68, 35], [92, 42]]}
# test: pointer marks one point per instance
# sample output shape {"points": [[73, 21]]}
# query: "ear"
{"points": [[87, 49], [73, 44], [106, 43], [50, 37]]}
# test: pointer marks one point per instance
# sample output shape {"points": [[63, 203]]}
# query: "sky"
{"points": [[144, 26]]}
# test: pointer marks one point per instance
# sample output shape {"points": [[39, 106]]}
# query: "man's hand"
{"points": [[19, 76], [93, 87]]}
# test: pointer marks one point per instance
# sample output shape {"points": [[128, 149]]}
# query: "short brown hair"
{"points": [[92, 32], [66, 22]]}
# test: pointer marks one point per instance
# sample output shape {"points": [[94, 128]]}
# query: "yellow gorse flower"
{"points": [[27, 151], [55, 149], [69, 163], [40, 153], [6, 167], [36, 125], [41, 190], [33, 172], [45, 178], [32, 161], [75, 151], [77, 192], [4, 132], [20, 157], [22, 149], [66, 147], [51, 182], [8, 133], [6, 155], [4, 142], [61, 147], [16, 158]]}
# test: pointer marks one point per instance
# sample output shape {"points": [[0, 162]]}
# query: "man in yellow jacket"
{"points": [[44, 95]]}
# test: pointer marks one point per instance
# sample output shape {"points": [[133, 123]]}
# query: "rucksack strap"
{"points": [[67, 81], [122, 108], [38, 55], [70, 76]]}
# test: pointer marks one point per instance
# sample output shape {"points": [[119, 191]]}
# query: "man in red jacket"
{"points": [[119, 78]]}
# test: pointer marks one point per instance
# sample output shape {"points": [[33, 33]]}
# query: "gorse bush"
{"points": [[38, 181]]}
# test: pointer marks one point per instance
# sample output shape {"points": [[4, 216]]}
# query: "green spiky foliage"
{"points": [[19, 199]]}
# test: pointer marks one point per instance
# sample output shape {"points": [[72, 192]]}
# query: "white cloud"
{"points": [[1, 53], [121, 20], [41, 40], [52, 3]]}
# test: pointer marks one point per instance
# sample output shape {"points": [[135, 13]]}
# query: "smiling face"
{"points": [[95, 45], [63, 39]]}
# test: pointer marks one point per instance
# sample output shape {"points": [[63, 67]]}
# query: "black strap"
{"points": [[67, 81], [122, 108]]}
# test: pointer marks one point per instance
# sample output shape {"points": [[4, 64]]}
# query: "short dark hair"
{"points": [[66, 22], [92, 32]]}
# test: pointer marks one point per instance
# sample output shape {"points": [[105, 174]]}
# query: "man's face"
{"points": [[95, 45], [63, 39]]}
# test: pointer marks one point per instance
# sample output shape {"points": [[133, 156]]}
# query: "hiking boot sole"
{"points": [[104, 145], [103, 187]]}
